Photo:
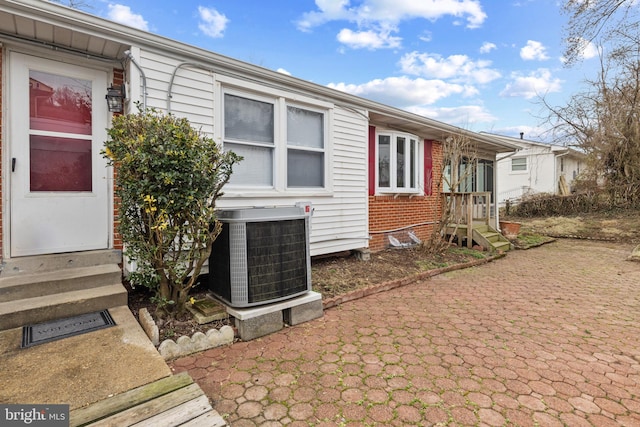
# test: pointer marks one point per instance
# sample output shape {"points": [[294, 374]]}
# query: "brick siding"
{"points": [[389, 212]]}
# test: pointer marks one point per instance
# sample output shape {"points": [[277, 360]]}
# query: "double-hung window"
{"points": [[518, 164], [249, 131], [398, 162], [284, 143], [305, 147]]}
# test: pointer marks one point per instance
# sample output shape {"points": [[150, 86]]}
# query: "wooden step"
{"points": [[492, 237], [482, 228], [502, 246], [171, 401], [33, 310]]}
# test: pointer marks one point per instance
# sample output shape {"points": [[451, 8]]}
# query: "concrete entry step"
{"points": [[27, 285], [17, 313], [54, 262], [49, 287]]}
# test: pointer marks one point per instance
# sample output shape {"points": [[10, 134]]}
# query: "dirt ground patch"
{"points": [[622, 226], [338, 275]]}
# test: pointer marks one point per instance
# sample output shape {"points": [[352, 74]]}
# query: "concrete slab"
{"points": [[79, 370], [248, 313], [207, 310]]}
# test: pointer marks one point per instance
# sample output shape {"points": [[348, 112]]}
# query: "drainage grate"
{"points": [[62, 328]]}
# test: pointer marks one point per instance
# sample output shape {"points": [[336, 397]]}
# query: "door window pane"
{"points": [[305, 169], [59, 103], [255, 169], [248, 120], [59, 164], [384, 161], [305, 128]]}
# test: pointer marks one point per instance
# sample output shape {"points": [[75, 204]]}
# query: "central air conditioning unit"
{"points": [[261, 256]]}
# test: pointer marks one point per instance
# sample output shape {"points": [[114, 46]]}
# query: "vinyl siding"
{"points": [[339, 220]]}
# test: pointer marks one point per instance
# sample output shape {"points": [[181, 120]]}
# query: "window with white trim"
{"points": [[305, 147], [398, 162], [284, 143], [518, 164]]}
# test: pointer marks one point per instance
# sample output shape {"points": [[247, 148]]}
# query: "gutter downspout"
{"points": [[128, 54]]}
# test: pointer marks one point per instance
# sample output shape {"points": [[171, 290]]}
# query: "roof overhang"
{"points": [[520, 143], [433, 129], [59, 27]]}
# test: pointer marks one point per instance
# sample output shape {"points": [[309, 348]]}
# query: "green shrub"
{"points": [[168, 178]]}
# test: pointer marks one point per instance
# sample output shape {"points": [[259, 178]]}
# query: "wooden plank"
{"points": [[208, 419], [128, 399], [178, 415], [151, 408]]}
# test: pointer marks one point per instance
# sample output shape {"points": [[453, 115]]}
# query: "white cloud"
{"points": [[123, 15], [426, 36], [537, 83], [487, 47], [590, 50], [458, 67], [212, 22], [460, 116], [534, 51], [368, 39], [403, 91], [329, 10], [389, 13], [283, 71]]}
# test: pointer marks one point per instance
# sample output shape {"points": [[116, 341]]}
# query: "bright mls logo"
{"points": [[34, 415]]}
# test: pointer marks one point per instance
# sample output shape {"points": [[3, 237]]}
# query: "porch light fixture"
{"points": [[115, 96]]}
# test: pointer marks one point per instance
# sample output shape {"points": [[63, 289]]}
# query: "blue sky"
{"points": [[478, 64]]}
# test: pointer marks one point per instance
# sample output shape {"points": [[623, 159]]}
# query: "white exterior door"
{"points": [[60, 194]]}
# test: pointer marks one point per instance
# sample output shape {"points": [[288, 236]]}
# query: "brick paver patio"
{"points": [[545, 337]]}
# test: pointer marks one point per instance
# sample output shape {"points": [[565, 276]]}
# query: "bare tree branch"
{"points": [[591, 20]]}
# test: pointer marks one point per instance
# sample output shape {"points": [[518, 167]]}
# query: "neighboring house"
{"points": [[537, 167], [367, 169]]}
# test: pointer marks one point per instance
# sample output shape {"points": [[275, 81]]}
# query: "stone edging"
{"points": [[383, 287], [580, 237], [535, 245], [184, 345]]}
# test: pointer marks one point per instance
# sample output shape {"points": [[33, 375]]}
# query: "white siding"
{"points": [[191, 93], [572, 168], [542, 174], [339, 220]]}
